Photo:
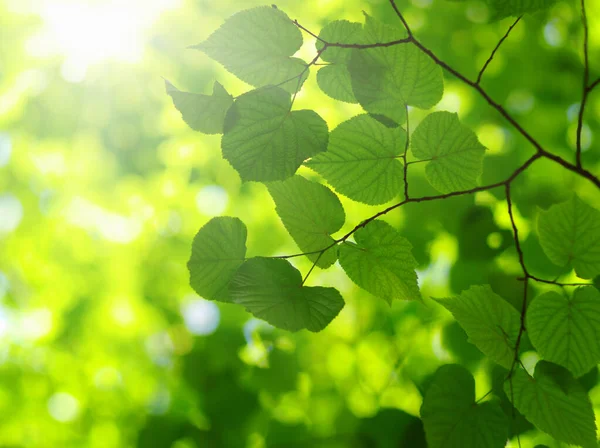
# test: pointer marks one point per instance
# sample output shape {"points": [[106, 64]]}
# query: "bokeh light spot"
{"points": [[201, 316], [212, 200], [63, 407], [11, 213]]}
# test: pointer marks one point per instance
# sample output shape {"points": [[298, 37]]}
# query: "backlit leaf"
{"points": [[218, 250], [381, 262], [310, 212], [566, 330], [570, 234], [362, 160], [256, 45], [271, 289], [386, 79], [452, 150], [264, 141], [555, 402], [204, 113], [491, 323]]}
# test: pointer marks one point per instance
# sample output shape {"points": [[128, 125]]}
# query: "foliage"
{"points": [[439, 155], [387, 71]]}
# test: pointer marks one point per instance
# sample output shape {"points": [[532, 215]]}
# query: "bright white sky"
{"points": [[89, 32]]}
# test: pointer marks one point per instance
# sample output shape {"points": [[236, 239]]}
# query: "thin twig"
{"points": [[401, 17], [404, 155], [586, 77], [496, 49], [553, 282], [313, 266]]}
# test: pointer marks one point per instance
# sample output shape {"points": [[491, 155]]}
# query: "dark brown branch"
{"points": [[312, 267], [404, 155], [554, 282], [576, 169], [586, 78], [355, 46], [593, 85], [479, 76], [515, 231], [401, 17]]}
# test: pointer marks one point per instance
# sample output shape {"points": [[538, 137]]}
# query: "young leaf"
{"points": [[453, 419], [204, 113], [362, 160], [339, 31], [264, 141], [334, 79], [566, 330], [310, 212], [491, 323], [256, 45], [570, 233], [381, 262], [555, 402], [452, 150], [271, 289], [218, 250], [386, 79]]}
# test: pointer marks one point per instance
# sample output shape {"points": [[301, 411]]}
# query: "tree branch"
{"points": [[404, 155], [496, 49], [586, 77], [401, 17], [473, 84]]}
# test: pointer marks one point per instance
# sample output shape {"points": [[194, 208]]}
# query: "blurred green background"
{"points": [[102, 187]]}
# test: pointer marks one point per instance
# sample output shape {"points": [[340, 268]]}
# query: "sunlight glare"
{"points": [[89, 33]]}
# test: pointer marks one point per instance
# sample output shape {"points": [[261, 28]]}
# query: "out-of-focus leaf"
{"points": [[453, 419]]}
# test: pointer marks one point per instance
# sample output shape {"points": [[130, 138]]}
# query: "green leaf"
{"points": [[566, 330], [454, 154], [453, 419], [271, 289], [570, 233], [386, 79], [339, 31], [204, 113], [491, 323], [381, 262], [555, 402], [218, 250], [362, 160], [264, 141], [335, 81], [505, 8], [310, 212], [256, 45]]}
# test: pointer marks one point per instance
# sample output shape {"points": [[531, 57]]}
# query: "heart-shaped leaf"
{"points": [[272, 290]]}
